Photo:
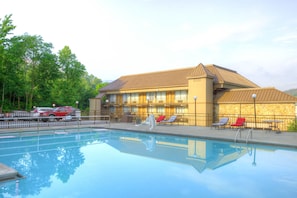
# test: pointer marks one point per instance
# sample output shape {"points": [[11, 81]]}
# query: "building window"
{"points": [[160, 110], [134, 97], [180, 110], [150, 96], [181, 96], [112, 98], [126, 98], [112, 109], [161, 96], [134, 109], [150, 109], [126, 109]]}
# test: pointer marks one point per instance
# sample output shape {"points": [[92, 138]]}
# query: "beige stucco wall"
{"points": [[203, 89], [285, 112]]}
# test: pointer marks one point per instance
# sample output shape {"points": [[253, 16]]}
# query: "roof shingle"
{"points": [[263, 95], [177, 77]]}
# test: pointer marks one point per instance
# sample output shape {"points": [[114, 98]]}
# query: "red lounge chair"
{"points": [[239, 122], [160, 118]]}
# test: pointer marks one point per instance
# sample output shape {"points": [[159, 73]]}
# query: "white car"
{"points": [[36, 111]]}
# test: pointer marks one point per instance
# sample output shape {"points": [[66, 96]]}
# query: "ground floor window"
{"points": [[161, 110], [126, 109], [134, 109], [180, 110], [111, 109], [150, 109]]}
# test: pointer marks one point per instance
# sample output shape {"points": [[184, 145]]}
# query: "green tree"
{"points": [[31, 74], [36, 67], [91, 86], [6, 28], [68, 87]]}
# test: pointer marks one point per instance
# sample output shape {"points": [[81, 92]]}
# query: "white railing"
{"points": [[42, 122]]}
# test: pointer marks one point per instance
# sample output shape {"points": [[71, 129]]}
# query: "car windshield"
{"points": [[45, 109]]}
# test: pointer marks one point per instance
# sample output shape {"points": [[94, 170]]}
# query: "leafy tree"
{"points": [[31, 74], [68, 87], [6, 28], [36, 65]]}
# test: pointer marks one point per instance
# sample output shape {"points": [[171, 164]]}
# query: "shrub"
{"points": [[293, 126]]}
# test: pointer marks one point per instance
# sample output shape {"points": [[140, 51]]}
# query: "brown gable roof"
{"points": [[228, 76], [263, 95], [200, 71], [177, 77], [169, 78]]}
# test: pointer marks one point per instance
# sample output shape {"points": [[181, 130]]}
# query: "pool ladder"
{"points": [[249, 135]]}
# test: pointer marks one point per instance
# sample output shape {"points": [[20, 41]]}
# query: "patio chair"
{"points": [[160, 118], [239, 123], [170, 120], [222, 123]]}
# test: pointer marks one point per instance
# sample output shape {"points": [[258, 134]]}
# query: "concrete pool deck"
{"points": [[287, 139]]}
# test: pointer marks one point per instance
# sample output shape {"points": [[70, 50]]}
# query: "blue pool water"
{"points": [[113, 163]]}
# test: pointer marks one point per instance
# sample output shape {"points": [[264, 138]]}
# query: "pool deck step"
{"points": [[7, 173]]}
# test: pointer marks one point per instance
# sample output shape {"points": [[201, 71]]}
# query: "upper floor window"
{"points": [[112, 98], [150, 96], [181, 96], [134, 97], [161, 96], [126, 98]]}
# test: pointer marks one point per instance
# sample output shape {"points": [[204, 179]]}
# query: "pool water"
{"points": [[115, 163]]}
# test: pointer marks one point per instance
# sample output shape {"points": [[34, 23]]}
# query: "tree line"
{"points": [[32, 75]]}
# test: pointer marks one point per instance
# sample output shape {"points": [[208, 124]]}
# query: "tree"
{"points": [[6, 27], [36, 68], [31, 74], [68, 87]]}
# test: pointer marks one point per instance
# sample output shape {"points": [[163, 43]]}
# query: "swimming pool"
{"points": [[115, 163]]}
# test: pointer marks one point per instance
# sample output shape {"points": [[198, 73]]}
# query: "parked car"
{"points": [[35, 113], [6, 116], [57, 113], [15, 115]]}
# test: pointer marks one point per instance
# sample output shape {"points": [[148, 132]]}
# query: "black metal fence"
{"points": [[272, 122], [280, 122]]}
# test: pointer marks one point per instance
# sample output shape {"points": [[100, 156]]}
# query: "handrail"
{"points": [[250, 133], [237, 133]]}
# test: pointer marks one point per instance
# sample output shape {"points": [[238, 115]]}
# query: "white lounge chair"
{"points": [[222, 123]]}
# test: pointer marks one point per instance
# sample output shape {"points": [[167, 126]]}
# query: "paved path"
{"points": [[288, 139]]}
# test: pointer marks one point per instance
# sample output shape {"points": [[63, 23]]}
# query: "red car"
{"points": [[58, 113]]}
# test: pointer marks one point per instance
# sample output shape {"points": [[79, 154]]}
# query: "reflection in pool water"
{"points": [[115, 163]]}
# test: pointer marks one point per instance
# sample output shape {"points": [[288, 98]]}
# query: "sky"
{"points": [[113, 38]]}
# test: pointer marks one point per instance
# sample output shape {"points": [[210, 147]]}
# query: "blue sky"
{"points": [[112, 38]]}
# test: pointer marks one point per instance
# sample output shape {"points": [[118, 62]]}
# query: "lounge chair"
{"points": [[160, 118], [222, 123], [239, 123], [170, 120]]}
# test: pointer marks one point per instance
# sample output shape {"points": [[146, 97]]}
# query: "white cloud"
{"points": [[115, 38]]}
